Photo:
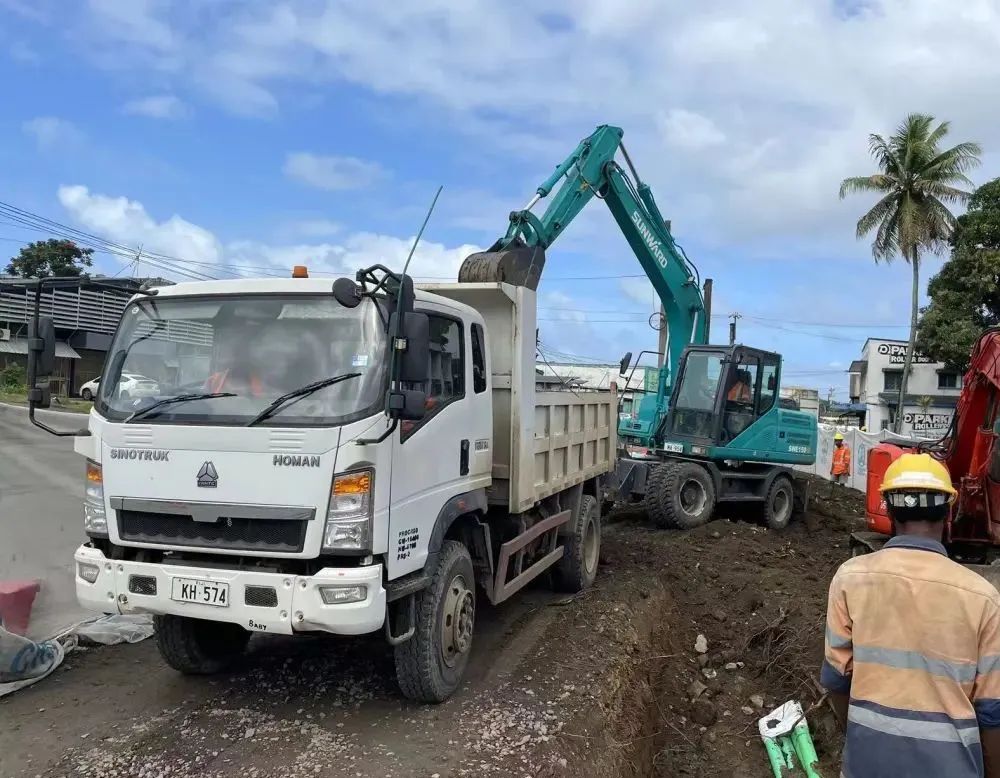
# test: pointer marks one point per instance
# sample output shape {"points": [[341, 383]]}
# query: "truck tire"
{"points": [[683, 495], [197, 646], [652, 501], [430, 665], [577, 569], [779, 504]]}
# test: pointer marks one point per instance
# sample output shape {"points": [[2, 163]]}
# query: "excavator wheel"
{"points": [[680, 494], [518, 265]]}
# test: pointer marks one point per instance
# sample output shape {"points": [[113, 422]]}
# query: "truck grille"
{"points": [[283, 535]]}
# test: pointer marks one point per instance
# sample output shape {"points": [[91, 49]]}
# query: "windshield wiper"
{"points": [[302, 391], [181, 398]]}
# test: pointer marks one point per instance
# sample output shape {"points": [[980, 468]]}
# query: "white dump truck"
{"points": [[341, 457]]}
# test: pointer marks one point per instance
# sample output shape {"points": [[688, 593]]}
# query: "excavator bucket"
{"points": [[517, 265]]}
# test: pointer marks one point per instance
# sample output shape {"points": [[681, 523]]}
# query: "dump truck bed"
{"points": [[544, 441]]}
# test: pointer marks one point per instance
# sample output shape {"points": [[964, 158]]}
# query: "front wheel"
{"points": [[86, 394], [430, 665], [197, 646], [682, 495]]}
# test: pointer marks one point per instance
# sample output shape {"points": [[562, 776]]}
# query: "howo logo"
{"points": [[208, 476], [652, 242]]}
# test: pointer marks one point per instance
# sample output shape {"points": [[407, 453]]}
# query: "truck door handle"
{"points": [[463, 460]]}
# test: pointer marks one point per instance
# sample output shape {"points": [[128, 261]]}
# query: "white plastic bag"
{"points": [[23, 661], [110, 630]]}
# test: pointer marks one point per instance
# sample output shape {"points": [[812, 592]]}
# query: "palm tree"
{"points": [[915, 180]]}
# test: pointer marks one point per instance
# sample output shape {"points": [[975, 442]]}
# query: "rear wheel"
{"points": [[680, 494], [578, 567], [199, 647], [430, 665], [86, 394], [779, 503]]}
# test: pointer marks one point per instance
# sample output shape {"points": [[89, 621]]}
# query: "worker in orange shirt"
{"points": [[840, 467], [740, 390]]}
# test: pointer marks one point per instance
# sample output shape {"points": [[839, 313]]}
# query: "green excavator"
{"points": [[713, 431]]}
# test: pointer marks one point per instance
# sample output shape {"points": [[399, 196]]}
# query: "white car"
{"points": [[130, 385]]}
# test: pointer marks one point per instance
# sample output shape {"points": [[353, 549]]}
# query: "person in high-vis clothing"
{"points": [[912, 656], [840, 466]]}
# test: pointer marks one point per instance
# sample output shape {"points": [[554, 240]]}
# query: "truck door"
{"points": [[441, 455]]}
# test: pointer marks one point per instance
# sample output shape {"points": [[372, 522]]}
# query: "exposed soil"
{"points": [[596, 685]]}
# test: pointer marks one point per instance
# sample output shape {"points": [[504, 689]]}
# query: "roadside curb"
{"points": [[24, 409]]}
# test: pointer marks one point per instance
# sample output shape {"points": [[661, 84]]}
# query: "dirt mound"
{"points": [[697, 634]]}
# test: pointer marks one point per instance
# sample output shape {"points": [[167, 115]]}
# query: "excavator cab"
{"points": [[725, 406]]}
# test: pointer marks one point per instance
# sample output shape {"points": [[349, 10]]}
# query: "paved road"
{"points": [[41, 518]]}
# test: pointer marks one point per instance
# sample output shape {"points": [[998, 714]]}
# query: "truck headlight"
{"points": [[95, 518], [349, 518]]}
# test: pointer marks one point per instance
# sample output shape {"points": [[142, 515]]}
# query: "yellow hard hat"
{"points": [[918, 473], [838, 436]]}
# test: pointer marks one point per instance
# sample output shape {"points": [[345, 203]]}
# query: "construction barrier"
{"points": [[859, 443]]}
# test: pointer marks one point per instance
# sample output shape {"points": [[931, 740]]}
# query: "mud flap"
{"points": [[800, 497]]}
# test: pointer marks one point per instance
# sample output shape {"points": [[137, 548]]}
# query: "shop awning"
{"points": [[20, 346]]}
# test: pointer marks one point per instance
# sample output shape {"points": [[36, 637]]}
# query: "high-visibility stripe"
{"points": [[962, 672], [921, 730]]}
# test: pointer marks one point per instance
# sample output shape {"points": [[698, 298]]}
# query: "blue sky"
{"points": [[265, 134]]}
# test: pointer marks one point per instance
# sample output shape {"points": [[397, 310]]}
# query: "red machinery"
{"points": [[969, 450]]}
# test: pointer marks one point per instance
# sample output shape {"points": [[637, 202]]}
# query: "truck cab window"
{"points": [[478, 359]]}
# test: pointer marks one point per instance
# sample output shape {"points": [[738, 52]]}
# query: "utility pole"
{"points": [[732, 327]]}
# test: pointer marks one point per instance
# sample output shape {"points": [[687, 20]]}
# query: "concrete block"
{"points": [[16, 599]]}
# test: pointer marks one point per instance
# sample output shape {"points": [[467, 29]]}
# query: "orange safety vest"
{"points": [[841, 461], [739, 393], [217, 381]]}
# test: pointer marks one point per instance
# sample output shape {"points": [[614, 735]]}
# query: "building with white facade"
{"points": [[931, 393]]}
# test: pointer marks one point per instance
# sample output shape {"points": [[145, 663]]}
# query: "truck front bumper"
{"points": [[274, 602]]}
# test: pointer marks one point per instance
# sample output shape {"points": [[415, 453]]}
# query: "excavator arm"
{"points": [[592, 171]]}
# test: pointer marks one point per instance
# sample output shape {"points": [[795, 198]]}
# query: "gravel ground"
{"points": [[595, 685]]}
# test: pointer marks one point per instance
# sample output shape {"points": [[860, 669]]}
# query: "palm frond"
{"points": [[886, 243], [876, 182], [943, 192], [937, 135], [883, 153], [952, 164], [878, 214]]}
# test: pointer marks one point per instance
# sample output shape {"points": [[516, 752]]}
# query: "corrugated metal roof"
{"points": [[20, 346]]}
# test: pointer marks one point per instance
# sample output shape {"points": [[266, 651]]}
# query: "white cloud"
{"points": [[136, 22], [128, 223], [331, 172], [157, 107], [19, 51], [638, 290], [51, 132], [315, 228], [687, 130]]}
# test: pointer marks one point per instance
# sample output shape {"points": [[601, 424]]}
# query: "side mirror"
{"points": [[414, 360], [41, 361], [407, 404], [41, 348], [626, 360], [346, 292]]}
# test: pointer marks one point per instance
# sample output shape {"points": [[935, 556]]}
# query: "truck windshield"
{"points": [[251, 349]]}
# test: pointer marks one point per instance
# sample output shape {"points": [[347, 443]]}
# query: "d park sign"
{"points": [[897, 354]]}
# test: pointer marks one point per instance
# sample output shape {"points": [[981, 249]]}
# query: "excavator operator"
{"points": [[912, 656], [740, 391]]}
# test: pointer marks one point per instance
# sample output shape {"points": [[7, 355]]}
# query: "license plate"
{"points": [[201, 592], [674, 448]]}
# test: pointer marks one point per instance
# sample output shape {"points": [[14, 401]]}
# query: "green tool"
{"points": [[785, 733]]}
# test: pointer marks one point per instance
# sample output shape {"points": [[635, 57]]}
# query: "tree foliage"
{"points": [[52, 257], [915, 182], [965, 294]]}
